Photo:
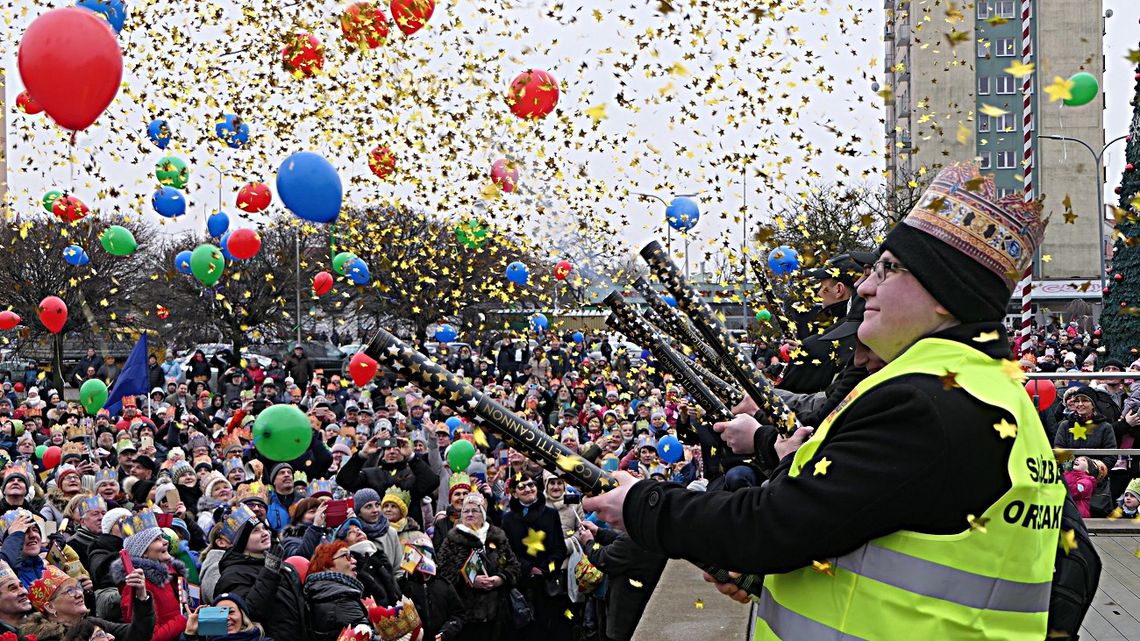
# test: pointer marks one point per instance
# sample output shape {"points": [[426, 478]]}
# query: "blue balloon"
{"points": [[578, 337], [182, 262], [453, 422], [539, 323], [232, 131], [224, 244], [517, 273], [218, 224], [357, 272], [159, 133], [310, 187], [669, 449], [669, 300], [783, 260], [74, 255], [682, 214], [168, 202], [115, 11], [446, 333]]}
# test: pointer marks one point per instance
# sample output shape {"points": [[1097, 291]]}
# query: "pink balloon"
{"points": [[301, 564], [505, 175]]}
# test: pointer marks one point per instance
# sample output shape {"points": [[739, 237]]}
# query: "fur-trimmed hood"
{"points": [[156, 572], [42, 627]]}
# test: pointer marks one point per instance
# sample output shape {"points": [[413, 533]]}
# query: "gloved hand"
{"points": [[274, 557]]}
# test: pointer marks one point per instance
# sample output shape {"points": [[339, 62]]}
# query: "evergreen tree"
{"points": [[1120, 319]]}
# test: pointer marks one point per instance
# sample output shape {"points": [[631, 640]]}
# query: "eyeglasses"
{"points": [[529, 485], [343, 554], [73, 592], [882, 267]]}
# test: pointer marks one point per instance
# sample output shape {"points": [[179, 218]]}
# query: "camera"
{"points": [[571, 498]]}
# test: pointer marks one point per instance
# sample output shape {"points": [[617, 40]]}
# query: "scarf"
{"points": [[399, 525], [336, 577], [377, 530], [480, 534], [365, 548]]}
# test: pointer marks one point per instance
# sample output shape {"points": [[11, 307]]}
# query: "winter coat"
{"points": [[28, 568], [334, 604], [387, 539], [376, 572], [277, 512], [165, 583], [440, 609], [517, 523], [301, 369], [208, 574], [302, 539], [207, 505], [569, 515], [54, 505], [256, 634], [414, 476], [81, 542], [276, 600], [1081, 487], [140, 629], [498, 558], [632, 574], [1099, 435]]}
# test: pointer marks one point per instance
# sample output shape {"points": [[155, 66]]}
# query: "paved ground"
{"points": [[673, 615]]}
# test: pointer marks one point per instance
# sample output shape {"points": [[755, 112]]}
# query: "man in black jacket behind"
{"points": [[384, 462]]}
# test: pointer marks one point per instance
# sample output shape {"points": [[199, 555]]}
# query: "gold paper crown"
{"points": [[6, 572], [106, 475], [75, 432], [41, 591], [71, 448], [255, 491], [352, 634], [459, 479], [139, 522], [404, 620], [397, 496], [962, 209]]}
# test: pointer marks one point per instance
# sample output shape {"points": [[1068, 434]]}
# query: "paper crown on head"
{"points": [[398, 496], [75, 432], [6, 572], [106, 475], [235, 520], [231, 464], [230, 441], [139, 522], [359, 633], [458, 480], [90, 503], [43, 589], [962, 209], [71, 448], [17, 469], [10, 517], [321, 487], [255, 491]]}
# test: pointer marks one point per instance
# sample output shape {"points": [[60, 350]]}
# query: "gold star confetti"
{"points": [[987, 337], [978, 523], [821, 466], [1006, 429], [1067, 541], [949, 380], [1059, 89], [699, 604], [823, 567], [534, 541], [1018, 69]]}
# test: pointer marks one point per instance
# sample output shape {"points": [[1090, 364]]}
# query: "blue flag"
{"points": [[133, 380]]}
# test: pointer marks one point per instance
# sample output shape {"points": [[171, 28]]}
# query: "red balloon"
{"points": [[52, 457], [19, 387], [244, 243], [533, 94], [411, 15], [362, 367], [322, 283], [505, 175], [69, 209], [381, 161], [71, 65], [364, 24], [303, 55], [53, 313], [563, 269], [254, 197], [27, 104], [1045, 392], [9, 320], [301, 564]]}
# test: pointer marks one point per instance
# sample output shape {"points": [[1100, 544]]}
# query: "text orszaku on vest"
{"points": [[991, 584]]}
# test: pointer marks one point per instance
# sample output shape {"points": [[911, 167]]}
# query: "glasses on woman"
{"points": [[882, 268], [343, 554]]}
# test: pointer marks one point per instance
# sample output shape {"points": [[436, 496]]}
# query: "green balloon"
{"points": [[118, 241], [19, 427], [341, 261], [40, 451], [50, 198], [172, 172], [93, 395], [207, 264], [763, 315], [1085, 88], [282, 433], [471, 234], [459, 455]]}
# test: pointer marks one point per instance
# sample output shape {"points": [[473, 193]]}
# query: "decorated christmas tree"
{"points": [[1120, 319]]}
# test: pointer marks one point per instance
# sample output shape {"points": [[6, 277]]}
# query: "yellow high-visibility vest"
{"points": [[992, 580]]}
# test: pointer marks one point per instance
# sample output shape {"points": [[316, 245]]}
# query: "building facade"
{"points": [[951, 97]]}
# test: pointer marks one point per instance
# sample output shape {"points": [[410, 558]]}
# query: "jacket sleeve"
{"points": [[10, 551], [259, 594], [1108, 442], [456, 613], [426, 481], [351, 475], [386, 574], [321, 458], [511, 571]]}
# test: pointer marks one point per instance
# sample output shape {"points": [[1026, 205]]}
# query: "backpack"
{"points": [[1075, 577]]}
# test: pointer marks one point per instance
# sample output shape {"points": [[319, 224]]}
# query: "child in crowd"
{"points": [[1081, 484], [1129, 503]]}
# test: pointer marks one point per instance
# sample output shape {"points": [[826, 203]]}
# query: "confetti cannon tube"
{"points": [[733, 358], [548, 453], [774, 306], [729, 394], [674, 323]]}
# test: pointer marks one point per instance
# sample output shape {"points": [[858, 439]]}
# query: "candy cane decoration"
{"points": [[1027, 130]]}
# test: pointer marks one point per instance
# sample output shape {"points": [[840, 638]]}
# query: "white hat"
{"points": [[112, 517]]}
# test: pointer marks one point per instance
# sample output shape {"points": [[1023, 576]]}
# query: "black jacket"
{"points": [[814, 367], [909, 454], [276, 600], [498, 558], [104, 551], [539, 518], [1098, 435], [81, 542], [376, 572], [439, 607], [414, 476], [632, 573], [334, 604]]}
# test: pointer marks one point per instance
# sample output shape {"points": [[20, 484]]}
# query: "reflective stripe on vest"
{"points": [[993, 582]]}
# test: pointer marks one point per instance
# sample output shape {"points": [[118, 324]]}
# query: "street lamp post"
{"points": [[668, 227], [1098, 158]]}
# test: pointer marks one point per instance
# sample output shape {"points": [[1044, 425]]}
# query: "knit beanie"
{"points": [[275, 469], [112, 517], [1133, 488], [180, 468], [137, 543], [965, 245], [363, 497], [140, 491]]}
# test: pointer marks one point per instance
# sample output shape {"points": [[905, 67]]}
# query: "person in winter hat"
{"points": [[103, 552], [373, 566], [239, 625], [1129, 504], [366, 506], [165, 576]]}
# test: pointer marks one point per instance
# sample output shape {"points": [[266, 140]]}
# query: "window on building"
{"points": [[983, 85], [1006, 47], [1006, 123], [984, 124], [1006, 191], [1006, 84], [983, 48], [985, 11], [1006, 160], [1006, 8], [986, 159]]}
